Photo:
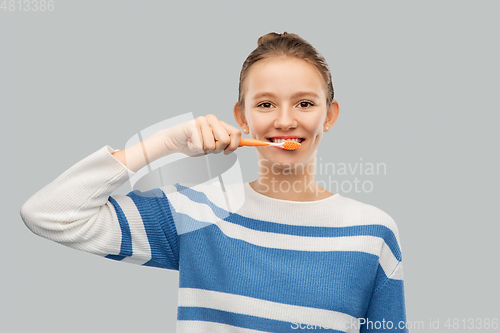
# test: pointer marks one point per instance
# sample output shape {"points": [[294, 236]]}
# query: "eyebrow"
{"points": [[297, 94]]}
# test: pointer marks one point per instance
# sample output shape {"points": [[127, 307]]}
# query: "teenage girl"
{"points": [[293, 256]]}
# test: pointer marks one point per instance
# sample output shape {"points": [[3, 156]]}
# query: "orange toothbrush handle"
{"points": [[252, 142]]}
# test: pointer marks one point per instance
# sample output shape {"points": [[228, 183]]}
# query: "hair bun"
{"points": [[273, 35]]}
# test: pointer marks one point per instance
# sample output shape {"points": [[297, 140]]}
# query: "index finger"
{"points": [[234, 135]]}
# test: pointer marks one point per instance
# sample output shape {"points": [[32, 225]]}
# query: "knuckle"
{"points": [[226, 140], [236, 135]]}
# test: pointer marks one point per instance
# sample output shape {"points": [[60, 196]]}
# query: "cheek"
{"points": [[317, 134], [317, 127], [257, 124], [314, 126]]}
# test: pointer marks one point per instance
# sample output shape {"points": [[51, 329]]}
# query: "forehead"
{"points": [[283, 76]]}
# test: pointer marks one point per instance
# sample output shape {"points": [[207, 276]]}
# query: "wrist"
{"points": [[155, 147]]}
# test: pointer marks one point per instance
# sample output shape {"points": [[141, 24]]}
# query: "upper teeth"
{"points": [[283, 140]]}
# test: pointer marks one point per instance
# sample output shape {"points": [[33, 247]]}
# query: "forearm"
{"points": [[143, 153]]}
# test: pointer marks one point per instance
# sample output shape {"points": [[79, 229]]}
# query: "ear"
{"points": [[239, 115], [332, 114]]}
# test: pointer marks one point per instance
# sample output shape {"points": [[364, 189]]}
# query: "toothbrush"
{"points": [[288, 145]]}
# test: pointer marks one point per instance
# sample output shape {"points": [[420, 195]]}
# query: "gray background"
{"points": [[417, 85]]}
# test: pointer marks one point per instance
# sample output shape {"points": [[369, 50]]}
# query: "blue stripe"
{"points": [[126, 244], [156, 215], [244, 321], [332, 280], [375, 230], [387, 304], [200, 197], [115, 257]]}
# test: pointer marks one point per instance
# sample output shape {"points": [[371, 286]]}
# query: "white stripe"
{"points": [[344, 212], [388, 261], [194, 326], [199, 211], [265, 309], [367, 244], [141, 250], [398, 272]]}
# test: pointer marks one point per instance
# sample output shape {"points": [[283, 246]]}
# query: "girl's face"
{"points": [[285, 98]]}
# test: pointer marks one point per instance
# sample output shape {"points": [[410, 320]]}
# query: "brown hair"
{"points": [[286, 45]]}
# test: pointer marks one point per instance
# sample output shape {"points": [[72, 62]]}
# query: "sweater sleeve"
{"points": [[387, 310], [78, 211]]}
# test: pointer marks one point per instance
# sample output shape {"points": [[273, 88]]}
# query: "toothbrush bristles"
{"points": [[291, 145]]}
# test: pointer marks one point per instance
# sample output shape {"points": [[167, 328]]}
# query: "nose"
{"points": [[285, 118]]}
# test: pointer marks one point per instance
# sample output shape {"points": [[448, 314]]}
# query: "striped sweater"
{"points": [[273, 265]]}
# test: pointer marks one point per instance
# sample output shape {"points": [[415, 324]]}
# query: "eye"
{"points": [[265, 105], [305, 104]]}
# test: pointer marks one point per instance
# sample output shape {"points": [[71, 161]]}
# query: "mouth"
{"points": [[279, 139]]}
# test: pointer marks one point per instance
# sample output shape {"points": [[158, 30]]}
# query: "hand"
{"points": [[201, 136]]}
